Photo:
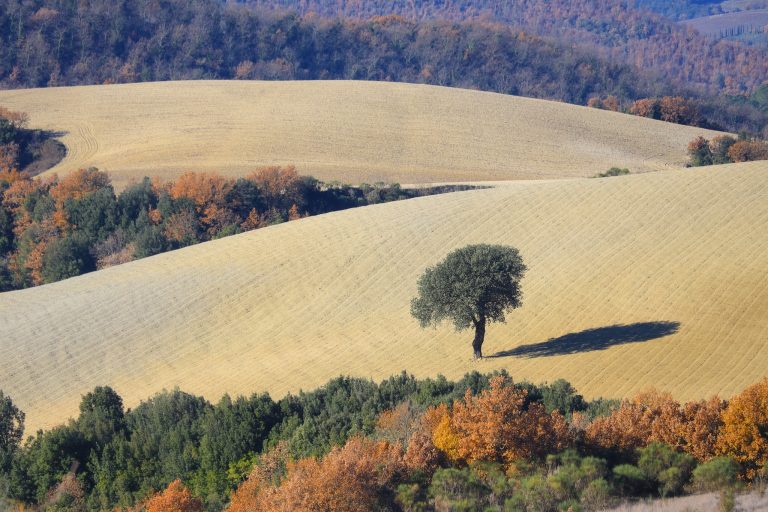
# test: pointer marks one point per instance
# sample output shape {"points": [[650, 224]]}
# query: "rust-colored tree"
{"points": [[748, 151], [349, 479], [78, 184], [647, 107], [279, 186], [744, 434], [203, 188], [655, 416], [498, 425], [631, 426], [262, 483], [175, 498]]}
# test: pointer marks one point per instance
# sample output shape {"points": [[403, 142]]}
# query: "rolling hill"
{"points": [[348, 131], [724, 24], [653, 279]]}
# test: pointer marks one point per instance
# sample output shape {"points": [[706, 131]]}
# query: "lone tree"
{"points": [[473, 285]]}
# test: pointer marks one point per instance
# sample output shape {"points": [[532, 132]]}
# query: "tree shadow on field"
{"points": [[594, 339]]}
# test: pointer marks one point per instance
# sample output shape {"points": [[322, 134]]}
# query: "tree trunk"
{"points": [[477, 344]]}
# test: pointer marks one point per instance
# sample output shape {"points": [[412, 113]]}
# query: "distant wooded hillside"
{"points": [[617, 28], [484, 44]]}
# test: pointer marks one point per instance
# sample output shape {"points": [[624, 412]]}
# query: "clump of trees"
{"points": [[482, 443], [672, 109], [25, 149], [53, 228], [724, 149]]}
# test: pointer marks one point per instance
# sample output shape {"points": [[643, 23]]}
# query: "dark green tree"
{"points": [[699, 152], [67, 257], [472, 286], [150, 241], [101, 416], [95, 215], [6, 230], [11, 430], [7, 131], [136, 199]]}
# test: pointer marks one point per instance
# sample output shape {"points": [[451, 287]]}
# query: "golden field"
{"points": [[348, 131], [290, 306]]}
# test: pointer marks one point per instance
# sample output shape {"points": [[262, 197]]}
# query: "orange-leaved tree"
{"points": [[348, 479], [655, 416], [175, 498], [744, 434], [498, 425]]}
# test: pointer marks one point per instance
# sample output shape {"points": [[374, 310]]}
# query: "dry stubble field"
{"points": [[679, 258], [347, 131]]}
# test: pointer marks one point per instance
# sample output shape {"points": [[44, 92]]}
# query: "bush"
{"points": [[613, 171], [534, 494], [716, 474], [630, 480], [670, 469], [597, 495], [457, 490]]}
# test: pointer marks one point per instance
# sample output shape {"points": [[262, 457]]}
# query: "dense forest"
{"points": [[57, 42], [679, 10], [625, 34], [481, 443]]}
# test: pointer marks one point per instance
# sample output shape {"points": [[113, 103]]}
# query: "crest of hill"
{"points": [[342, 130], [655, 279]]}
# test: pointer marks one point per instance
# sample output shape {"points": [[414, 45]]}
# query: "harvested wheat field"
{"points": [[721, 23], [348, 131], [653, 279]]}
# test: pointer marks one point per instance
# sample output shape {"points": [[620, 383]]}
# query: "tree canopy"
{"points": [[473, 285]]}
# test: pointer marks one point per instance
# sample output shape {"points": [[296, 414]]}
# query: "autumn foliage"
{"points": [[348, 479], [175, 498], [724, 149], [747, 151], [406, 445], [652, 416], [672, 109], [499, 426], [744, 434]]}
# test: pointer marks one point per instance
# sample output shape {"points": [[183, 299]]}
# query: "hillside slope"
{"points": [[348, 131], [679, 259]]}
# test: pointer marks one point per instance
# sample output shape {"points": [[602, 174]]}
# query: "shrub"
{"points": [[630, 480], [670, 469], [534, 494], [597, 495], [613, 171], [458, 490], [716, 474]]}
